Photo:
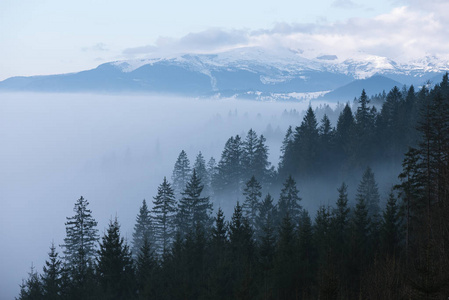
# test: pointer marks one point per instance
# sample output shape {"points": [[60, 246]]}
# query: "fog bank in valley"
{"points": [[113, 150]]}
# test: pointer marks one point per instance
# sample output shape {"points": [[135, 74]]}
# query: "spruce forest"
{"points": [[236, 227]]}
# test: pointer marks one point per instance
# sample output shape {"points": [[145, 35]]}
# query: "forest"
{"points": [[237, 228]]}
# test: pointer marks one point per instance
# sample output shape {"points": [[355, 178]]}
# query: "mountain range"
{"points": [[249, 72]]}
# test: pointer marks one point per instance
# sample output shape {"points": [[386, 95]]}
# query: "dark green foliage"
{"points": [[164, 216], [115, 270], [51, 277], [252, 193], [31, 289], [228, 178], [80, 246], [193, 209], [143, 229], [289, 201], [390, 232], [181, 173]]}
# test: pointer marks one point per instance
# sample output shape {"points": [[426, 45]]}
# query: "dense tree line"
{"points": [[271, 247]]}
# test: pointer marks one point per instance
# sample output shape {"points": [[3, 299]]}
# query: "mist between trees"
{"points": [[293, 229]]}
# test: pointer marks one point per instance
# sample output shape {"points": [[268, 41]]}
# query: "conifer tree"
{"points": [[192, 208], [51, 277], [286, 261], [368, 190], [287, 149], [146, 265], [164, 216], [181, 173], [143, 229], [266, 217], [80, 244], [115, 268], [261, 163], [390, 227], [31, 289], [252, 193], [249, 155], [229, 170], [289, 201]]}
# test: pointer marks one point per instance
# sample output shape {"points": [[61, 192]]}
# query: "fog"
{"points": [[112, 150]]}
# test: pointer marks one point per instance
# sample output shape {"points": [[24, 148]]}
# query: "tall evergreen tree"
{"points": [[289, 201], [143, 229], [249, 155], [181, 173], [192, 208], [146, 265], [266, 218], [227, 181], [252, 193], [115, 268], [31, 289], [390, 232], [51, 277], [164, 216], [80, 244], [369, 191]]}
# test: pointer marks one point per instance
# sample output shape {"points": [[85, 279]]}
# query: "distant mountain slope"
{"points": [[372, 85], [275, 74]]}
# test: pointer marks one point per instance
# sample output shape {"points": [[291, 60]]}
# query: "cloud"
{"points": [[406, 32], [344, 4], [99, 47]]}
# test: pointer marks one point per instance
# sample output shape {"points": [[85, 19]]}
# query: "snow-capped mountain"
{"points": [[245, 72]]}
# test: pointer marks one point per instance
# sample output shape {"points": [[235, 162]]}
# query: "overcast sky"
{"points": [[53, 36]]}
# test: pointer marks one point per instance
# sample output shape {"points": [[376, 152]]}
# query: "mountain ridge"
{"points": [[238, 72]]}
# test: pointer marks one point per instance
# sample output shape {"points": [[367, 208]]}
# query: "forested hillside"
{"points": [[268, 246]]}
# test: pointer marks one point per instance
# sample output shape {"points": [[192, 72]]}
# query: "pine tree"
{"points": [[285, 261], [31, 289], [289, 201], [201, 170], [192, 208], [249, 155], [51, 277], [266, 217], [80, 244], [115, 269], [368, 190], [286, 150], [252, 193], [146, 265], [164, 216], [227, 181], [181, 173], [261, 163], [143, 229], [390, 227]]}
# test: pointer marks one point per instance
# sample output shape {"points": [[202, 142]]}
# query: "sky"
{"points": [[51, 36]]}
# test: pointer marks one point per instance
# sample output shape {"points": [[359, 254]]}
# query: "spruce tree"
{"points": [[164, 216], [266, 217], [252, 193], [227, 181], [51, 277], [368, 190], [249, 155], [146, 265], [80, 245], [289, 201], [143, 229], [115, 268], [192, 208], [181, 173], [31, 289], [390, 232]]}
